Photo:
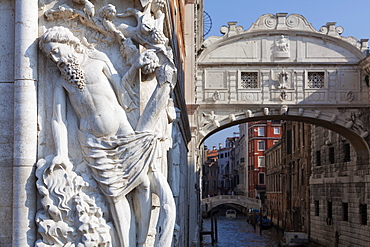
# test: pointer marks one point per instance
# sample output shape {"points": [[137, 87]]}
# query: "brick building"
{"points": [[261, 136], [210, 173], [289, 169]]}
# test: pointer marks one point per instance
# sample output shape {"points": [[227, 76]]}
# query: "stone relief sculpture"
{"points": [[354, 122], [210, 118], [125, 154], [283, 80], [282, 49]]}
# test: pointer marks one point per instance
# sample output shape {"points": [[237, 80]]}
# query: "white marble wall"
{"points": [[6, 120]]}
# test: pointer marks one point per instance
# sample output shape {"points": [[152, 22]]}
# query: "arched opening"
{"points": [[333, 155]]}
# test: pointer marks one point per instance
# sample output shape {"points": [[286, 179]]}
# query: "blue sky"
{"points": [[352, 15]]}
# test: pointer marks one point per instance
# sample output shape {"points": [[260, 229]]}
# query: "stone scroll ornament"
{"points": [[110, 202]]}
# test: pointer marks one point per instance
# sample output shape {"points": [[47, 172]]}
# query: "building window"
{"points": [[289, 142], [316, 79], [331, 155], [249, 79], [276, 130], [329, 212], [241, 160], [345, 211], [318, 158], [317, 208], [347, 152], [261, 178], [261, 145], [363, 214], [261, 131], [261, 161]]}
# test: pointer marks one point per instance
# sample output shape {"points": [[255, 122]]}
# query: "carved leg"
{"points": [[142, 201], [167, 213], [121, 212]]}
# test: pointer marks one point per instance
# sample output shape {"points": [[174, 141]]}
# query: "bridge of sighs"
{"points": [[281, 68]]}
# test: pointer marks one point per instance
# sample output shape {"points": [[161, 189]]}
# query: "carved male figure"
{"points": [[120, 159]]}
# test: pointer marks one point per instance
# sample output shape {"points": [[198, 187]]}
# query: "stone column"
{"points": [[25, 122]]}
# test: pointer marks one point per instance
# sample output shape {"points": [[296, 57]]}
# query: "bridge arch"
{"points": [[346, 127], [212, 202]]}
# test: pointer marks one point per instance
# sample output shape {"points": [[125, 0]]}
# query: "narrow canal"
{"points": [[237, 232]]}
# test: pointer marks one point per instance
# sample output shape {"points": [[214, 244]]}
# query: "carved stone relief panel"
{"points": [[105, 124], [348, 79], [215, 79], [315, 97], [282, 47]]}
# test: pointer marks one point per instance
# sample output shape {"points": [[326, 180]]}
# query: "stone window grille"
{"points": [[363, 214], [345, 211], [316, 79], [249, 79]]}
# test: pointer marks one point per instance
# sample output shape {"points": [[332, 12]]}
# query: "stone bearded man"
{"points": [[121, 159]]}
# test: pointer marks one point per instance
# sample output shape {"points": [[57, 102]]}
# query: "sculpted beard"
{"points": [[72, 71]]}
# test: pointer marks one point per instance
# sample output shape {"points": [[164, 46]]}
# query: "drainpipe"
{"points": [[25, 122]]}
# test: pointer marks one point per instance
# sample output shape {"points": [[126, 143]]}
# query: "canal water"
{"points": [[237, 232]]}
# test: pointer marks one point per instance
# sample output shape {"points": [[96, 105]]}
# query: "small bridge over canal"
{"points": [[214, 201]]}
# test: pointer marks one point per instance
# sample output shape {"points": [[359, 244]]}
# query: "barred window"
{"points": [[318, 158], [345, 211], [249, 79], [316, 79], [363, 214], [331, 155], [347, 152], [317, 208]]}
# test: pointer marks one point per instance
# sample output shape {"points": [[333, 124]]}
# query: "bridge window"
{"points": [[316, 79], [249, 79]]}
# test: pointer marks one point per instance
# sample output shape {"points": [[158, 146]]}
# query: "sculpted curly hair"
{"points": [[61, 35]]}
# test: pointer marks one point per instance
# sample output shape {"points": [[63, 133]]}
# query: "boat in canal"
{"points": [[297, 239], [230, 213]]}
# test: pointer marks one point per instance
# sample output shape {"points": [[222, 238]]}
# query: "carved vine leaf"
{"points": [[70, 217]]}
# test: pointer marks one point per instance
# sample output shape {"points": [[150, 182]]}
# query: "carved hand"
{"points": [[61, 161]]}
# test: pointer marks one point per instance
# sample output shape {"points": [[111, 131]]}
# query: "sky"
{"points": [[352, 15]]}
